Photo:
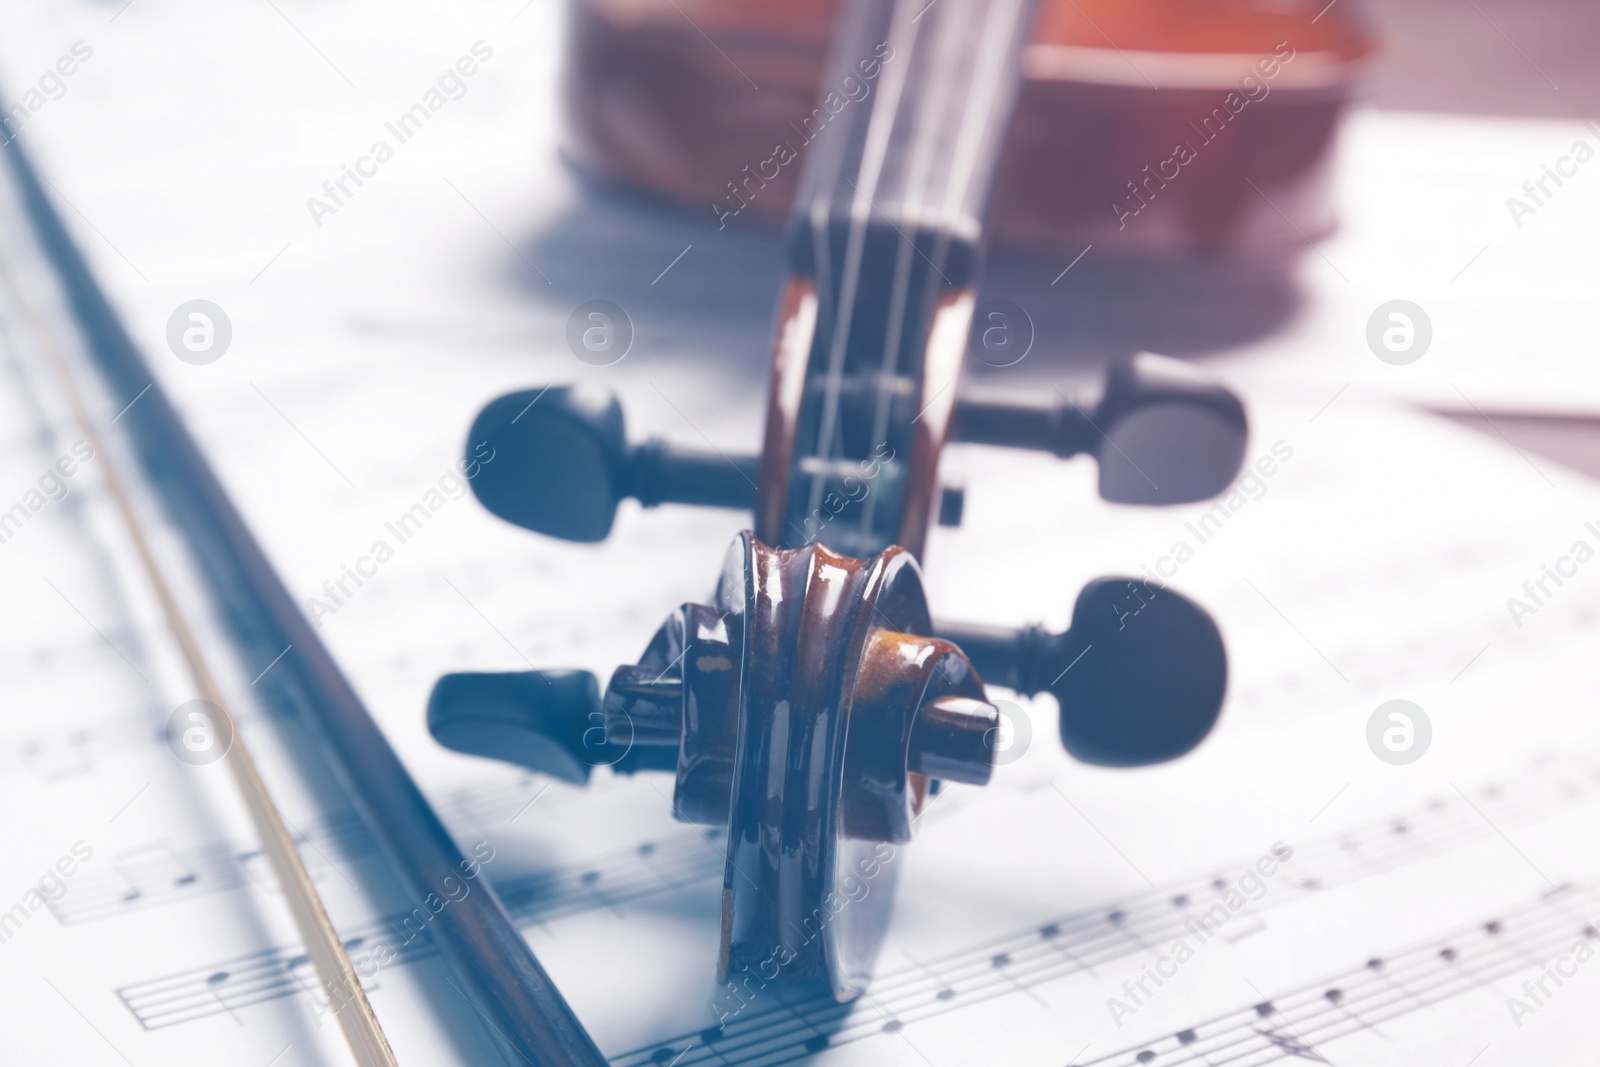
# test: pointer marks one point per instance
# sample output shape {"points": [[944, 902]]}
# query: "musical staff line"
{"points": [[222, 866], [1419, 976], [65, 753], [274, 972], [1075, 943], [1083, 941]]}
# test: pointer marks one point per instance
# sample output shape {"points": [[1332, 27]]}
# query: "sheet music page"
{"points": [[1284, 893]]}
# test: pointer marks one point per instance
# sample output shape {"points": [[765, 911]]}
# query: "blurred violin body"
{"points": [[1151, 129]]}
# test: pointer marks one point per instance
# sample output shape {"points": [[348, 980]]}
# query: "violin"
{"points": [[813, 703], [1153, 130]]}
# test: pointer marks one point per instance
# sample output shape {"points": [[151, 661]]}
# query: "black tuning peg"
{"points": [[1139, 677], [1164, 432], [547, 721], [563, 463]]}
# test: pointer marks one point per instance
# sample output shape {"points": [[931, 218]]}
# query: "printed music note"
{"points": [[1233, 934], [153, 869], [1293, 1046], [57, 756]]}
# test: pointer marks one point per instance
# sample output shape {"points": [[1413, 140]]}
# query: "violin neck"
{"points": [[884, 245], [909, 130]]}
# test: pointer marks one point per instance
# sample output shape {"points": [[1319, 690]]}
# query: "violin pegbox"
{"points": [[808, 710], [1162, 432]]}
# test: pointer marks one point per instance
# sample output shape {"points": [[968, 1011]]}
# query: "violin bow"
{"points": [[497, 972]]}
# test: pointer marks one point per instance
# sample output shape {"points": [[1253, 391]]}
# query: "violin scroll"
{"points": [[807, 709]]}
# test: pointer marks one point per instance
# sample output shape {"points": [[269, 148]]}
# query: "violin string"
{"points": [[903, 37], [990, 73], [918, 174], [959, 151], [990, 76], [357, 1021], [988, 79]]}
